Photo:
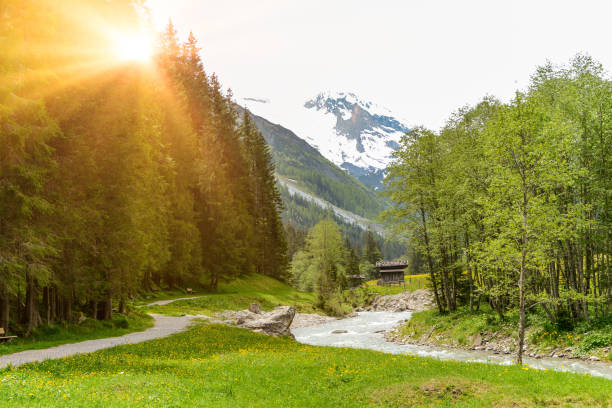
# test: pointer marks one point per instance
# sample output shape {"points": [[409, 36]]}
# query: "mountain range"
{"points": [[356, 135], [340, 182]]}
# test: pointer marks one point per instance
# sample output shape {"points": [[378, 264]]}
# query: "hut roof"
{"points": [[391, 264]]}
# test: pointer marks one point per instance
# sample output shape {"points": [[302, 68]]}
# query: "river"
{"points": [[365, 332]]}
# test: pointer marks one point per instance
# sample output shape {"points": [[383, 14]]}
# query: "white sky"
{"points": [[422, 59]]}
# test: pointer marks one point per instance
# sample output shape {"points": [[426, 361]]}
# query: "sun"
{"points": [[133, 47]]}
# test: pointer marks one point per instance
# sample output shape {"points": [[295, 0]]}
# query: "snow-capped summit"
{"points": [[355, 134]]}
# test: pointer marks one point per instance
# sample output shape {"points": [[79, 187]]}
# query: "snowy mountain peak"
{"points": [[325, 100], [353, 133]]}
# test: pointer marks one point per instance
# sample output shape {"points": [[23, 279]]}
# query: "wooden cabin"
{"points": [[391, 272]]}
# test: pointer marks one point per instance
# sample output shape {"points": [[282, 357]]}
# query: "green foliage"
{"points": [[117, 178], [301, 214], [596, 340], [511, 202], [321, 266]]}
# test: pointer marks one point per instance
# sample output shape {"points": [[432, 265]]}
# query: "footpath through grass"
{"points": [[238, 295], [57, 334], [218, 366]]}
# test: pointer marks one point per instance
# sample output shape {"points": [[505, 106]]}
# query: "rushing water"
{"points": [[365, 331]]}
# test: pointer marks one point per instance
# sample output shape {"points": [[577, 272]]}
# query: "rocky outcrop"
{"points": [[418, 300], [273, 323], [306, 319]]}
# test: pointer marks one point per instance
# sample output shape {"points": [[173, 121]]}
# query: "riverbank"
{"points": [[483, 330], [218, 366]]}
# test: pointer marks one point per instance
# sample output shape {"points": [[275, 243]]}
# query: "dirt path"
{"points": [[164, 327], [165, 302]]}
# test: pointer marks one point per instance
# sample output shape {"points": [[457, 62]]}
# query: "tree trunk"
{"points": [[521, 329], [94, 309], [108, 305], [32, 314], [122, 305], [5, 308], [430, 263]]}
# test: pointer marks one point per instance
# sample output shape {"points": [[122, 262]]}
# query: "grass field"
{"points": [[217, 366], [50, 336], [238, 295]]}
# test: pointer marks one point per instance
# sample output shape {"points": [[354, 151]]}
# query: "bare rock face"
{"points": [[273, 323], [307, 319], [418, 300]]}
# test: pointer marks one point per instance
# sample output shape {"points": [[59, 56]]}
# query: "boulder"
{"points": [[273, 323], [306, 319], [255, 308]]}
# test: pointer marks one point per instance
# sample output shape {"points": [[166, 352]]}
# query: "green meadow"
{"points": [[218, 366]]}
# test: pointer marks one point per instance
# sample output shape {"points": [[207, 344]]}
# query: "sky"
{"points": [[421, 59]]}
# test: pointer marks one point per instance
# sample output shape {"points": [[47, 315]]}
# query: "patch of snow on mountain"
{"points": [[353, 133]]}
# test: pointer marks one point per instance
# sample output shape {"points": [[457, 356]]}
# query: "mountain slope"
{"points": [[356, 135], [302, 164]]}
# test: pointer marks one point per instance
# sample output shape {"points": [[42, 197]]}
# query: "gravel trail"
{"points": [[165, 302], [164, 327]]}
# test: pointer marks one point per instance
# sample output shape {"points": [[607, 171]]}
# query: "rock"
{"points": [[593, 358], [339, 331], [255, 308], [306, 320], [273, 323], [418, 300], [477, 340]]}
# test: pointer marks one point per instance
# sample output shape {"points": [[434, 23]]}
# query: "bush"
{"points": [[596, 340], [48, 330], [121, 322]]}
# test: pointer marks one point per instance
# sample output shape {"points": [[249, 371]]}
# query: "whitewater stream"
{"points": [[366, 332]]}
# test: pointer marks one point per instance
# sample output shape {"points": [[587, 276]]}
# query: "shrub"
{"points": [[596, 340], [121, 322], [48, 330]]}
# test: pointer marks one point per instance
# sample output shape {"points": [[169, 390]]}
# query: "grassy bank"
{"points": [[235, 295], [465, 329], [217, 366], [411, 283], [57, 334], [238, 295]]}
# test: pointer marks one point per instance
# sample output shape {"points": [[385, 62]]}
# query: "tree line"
{"points": [[510, 202], [326, 262], [117, 178], [301, 214]]}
